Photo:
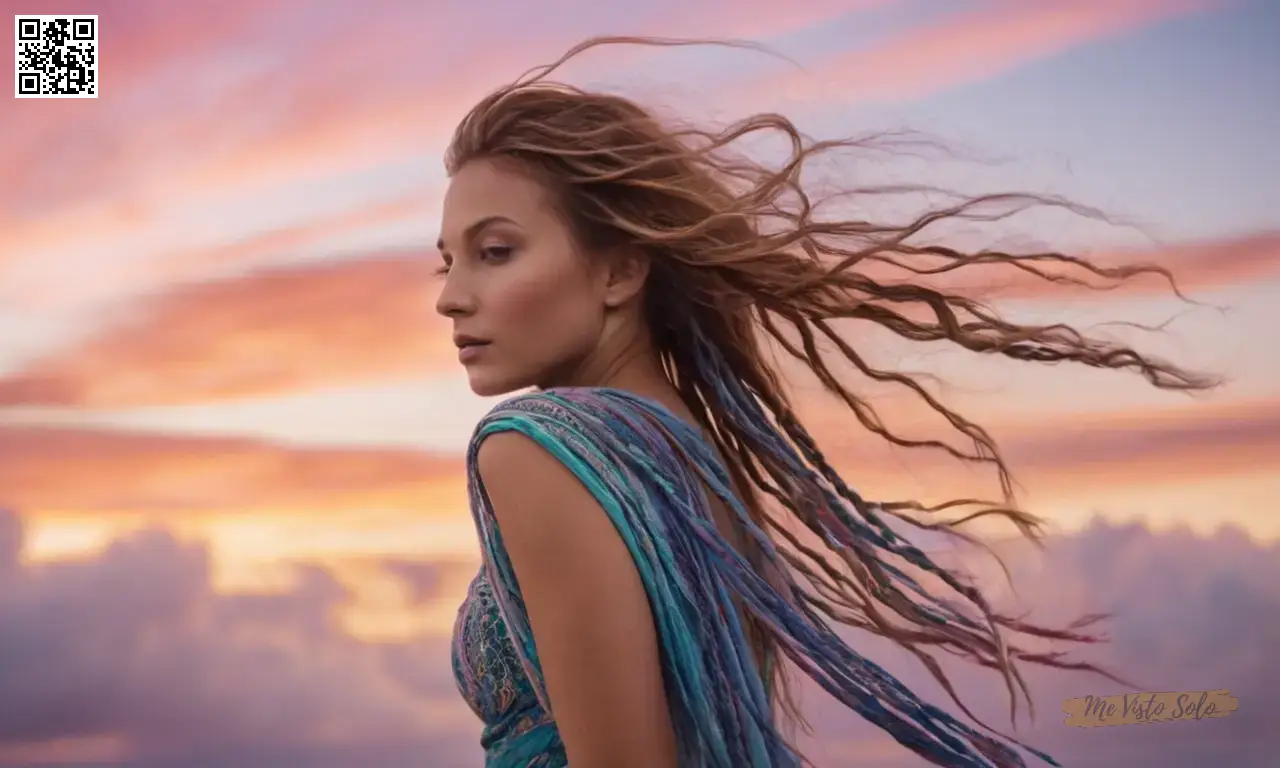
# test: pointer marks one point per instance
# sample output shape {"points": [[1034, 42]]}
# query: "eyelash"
{"points": [[507, 249]]}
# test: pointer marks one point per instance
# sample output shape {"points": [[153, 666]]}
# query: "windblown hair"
{"points": [[740, 256]]}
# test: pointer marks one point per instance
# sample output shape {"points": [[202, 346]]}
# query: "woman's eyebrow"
{"points": [[474, 228]]}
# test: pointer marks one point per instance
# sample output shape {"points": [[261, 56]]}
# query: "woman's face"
{"points": [[528, 307]]}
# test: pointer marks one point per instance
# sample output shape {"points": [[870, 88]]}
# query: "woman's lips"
{"points": [[471, 351]]}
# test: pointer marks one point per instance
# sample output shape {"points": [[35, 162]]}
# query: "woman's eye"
{"points": [[496, 252]]}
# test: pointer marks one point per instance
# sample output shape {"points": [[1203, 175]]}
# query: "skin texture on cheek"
{"points": [[544, 316], [537, 305]]}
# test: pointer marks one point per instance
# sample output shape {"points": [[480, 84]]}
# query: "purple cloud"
{"points": [[135, 642]]}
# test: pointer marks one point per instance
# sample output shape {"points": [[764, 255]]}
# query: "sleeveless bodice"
{"points": [[487, 668], [650, 472]]}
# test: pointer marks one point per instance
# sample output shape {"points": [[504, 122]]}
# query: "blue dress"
{"points": [[648, 469], [517, 730]]}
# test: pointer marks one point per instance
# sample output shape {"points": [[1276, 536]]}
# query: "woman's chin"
{"points": [[486, 385]]}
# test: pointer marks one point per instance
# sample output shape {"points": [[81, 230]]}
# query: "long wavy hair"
{"points": [[739, 252]]}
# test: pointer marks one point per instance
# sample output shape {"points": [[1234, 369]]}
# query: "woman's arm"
{"points": [[587, 608]]}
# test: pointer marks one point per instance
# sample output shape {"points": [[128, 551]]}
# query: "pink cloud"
{"points": [[967, 46], [335, 92], [328, 92], [141, 35], [261, 247], [172, 77], [747, 19], [163, 267], [342, 116], [49, 144]]}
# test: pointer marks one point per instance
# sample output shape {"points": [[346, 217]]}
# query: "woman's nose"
{"points": [[455, 299]]}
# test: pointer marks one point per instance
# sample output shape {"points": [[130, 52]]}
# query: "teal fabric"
{"points": [[648, 470]]}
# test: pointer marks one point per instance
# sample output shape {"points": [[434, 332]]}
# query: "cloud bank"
{"points": [[134, 647]]}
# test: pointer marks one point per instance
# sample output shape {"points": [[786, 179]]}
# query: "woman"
{"points": [[660, 534]]}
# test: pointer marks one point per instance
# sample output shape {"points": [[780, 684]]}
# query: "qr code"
{"points": [[57, 57]]}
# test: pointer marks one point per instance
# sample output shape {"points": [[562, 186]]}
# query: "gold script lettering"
{"points": [[1134, 708]]}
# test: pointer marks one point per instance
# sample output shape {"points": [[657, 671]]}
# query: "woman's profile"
{"points": [[661, 536]]}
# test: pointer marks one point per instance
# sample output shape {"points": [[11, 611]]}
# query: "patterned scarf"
{"points": [[648, 469]]}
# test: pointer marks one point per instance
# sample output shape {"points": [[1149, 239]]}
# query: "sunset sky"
{"points": [[231, 424]]}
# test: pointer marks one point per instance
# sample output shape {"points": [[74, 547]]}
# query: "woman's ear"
{"points": [[627, 272]]}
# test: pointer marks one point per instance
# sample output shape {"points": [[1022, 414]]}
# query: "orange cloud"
{"points": [[72, 470], [57, 470], [289, 328], [966, 46], [1212, 437], [1196, 266], [272, 331], [1070, 455], [1199, 463]]}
